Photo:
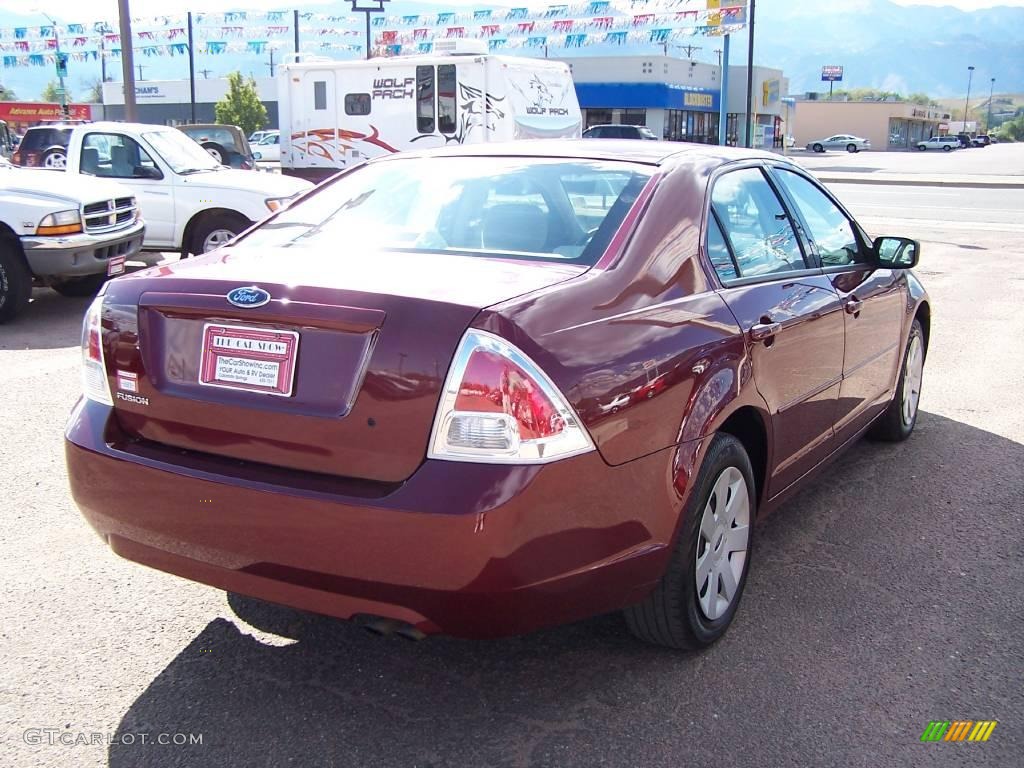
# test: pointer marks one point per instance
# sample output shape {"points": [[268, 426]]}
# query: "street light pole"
{"points": [[127, 60], [967, 101], [988, 120]]}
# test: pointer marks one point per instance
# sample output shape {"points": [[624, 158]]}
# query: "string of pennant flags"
{"points": [[599, 22]]}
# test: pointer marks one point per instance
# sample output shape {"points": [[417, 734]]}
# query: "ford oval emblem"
{"points": [[248, 297]]}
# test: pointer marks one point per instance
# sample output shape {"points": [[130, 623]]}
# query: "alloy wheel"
{"points": [[216, 239], [55, 160], [722, 543], [913, 373]]}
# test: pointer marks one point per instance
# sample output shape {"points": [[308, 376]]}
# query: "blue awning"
{"points": [[646, 96]]}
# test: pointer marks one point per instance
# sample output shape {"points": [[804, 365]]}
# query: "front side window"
{"points": [[831, 231], [756, 224], [446, 98], [539, 209], [115, 156], [425, 99], [357, 103]]}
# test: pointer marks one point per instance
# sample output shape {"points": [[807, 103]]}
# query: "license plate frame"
{"points": [[246, 358]]}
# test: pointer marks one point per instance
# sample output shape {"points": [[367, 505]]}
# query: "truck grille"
{"points": [[108, 215]]}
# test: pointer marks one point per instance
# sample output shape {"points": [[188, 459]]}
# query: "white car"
{"points": [[945, 143], [840, 141], [268, 149], [190, 201]]}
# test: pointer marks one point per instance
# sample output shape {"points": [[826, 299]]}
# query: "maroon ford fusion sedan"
{"points": [[483, 390]]}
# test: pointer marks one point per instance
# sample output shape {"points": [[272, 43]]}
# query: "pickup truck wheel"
{"points": [[55, 158], [15, 282], [79, 287], [214, 231], [216, 151]]}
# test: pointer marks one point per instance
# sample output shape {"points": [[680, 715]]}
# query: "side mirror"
{"points": [[896, 252], [146, 172]]}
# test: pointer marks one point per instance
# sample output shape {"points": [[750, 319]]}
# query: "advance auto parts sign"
{"points": [[29, 112]]}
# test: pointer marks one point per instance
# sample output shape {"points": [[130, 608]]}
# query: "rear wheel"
{"points": [[216, 230], [216, 151], [898, 420], [851, 147], [818, 148], [55, 158], [15, 281], [79, 286], [696, 599]]}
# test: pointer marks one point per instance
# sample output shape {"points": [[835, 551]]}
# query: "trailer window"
{"points": [[425, 99], [446, 98], [319, 94], [357, 103]]}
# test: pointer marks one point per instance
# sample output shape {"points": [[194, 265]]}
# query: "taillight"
{"points": [[498, 406], [95, 385]]}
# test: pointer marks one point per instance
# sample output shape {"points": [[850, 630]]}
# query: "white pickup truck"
{"points": [[190, 202], [69, 234]]}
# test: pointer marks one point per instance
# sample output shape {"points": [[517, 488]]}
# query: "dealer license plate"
{"points": [[249, 359]]}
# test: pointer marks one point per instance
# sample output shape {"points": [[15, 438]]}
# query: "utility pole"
{"points": [[191, 70], [127, 60], [62, 65], [967, 101], [271, 62], [749, 137], [205, 73], [719, 52], [140, 67], [988, 121]]}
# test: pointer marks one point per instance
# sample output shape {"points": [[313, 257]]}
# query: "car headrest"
{"points": [[519, 227], [91, 160]]}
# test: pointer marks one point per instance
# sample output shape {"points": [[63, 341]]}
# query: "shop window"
{"points": [[633, 117]]}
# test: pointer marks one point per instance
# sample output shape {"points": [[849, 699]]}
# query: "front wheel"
{"points": [[15, 281], [818, 148], [696, 599], [922, 147], [898, 420], [946, 148], [851, 148], [215, 231]]}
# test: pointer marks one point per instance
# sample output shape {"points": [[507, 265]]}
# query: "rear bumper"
{"points": [[83, 254], [470, 550]]}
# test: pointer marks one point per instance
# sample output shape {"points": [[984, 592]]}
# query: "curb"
{"points": [[911, 182]]}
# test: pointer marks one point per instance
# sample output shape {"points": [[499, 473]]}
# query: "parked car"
{"points": [[840, 141], [44, 146], [268, 149], [945, 143], [192, 203], [256, 136], [225, 143], [620, 132], [69, 234], [982, 140], [8, 141], [232, 430], [966, 140]]}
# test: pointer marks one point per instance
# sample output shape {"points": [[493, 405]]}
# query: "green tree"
{"points": [[50, 92], [241, 105], [6, 94], [94, 94]]}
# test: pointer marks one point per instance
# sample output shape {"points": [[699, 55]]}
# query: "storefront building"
{"points": [[20, 115], [678, 99], [890, 125], [167, 102]]}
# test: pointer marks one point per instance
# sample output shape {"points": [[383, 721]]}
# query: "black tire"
{"points": [[818, 148], [851, 148], [233, 222], [55, 158], [922, 148], [15, 281], [946, 148], [671, 615], [216, 151], [79, 287], [891, 426]]}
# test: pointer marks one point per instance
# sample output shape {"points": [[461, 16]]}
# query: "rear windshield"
{"points": [[40, 138], [538, 209]]}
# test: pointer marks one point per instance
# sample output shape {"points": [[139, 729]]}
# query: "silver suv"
{"points": [[945, 143]]}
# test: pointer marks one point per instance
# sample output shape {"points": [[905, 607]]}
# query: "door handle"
{"points": [[853, 306], [764, 331]]}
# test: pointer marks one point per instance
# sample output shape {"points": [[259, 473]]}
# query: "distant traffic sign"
{"points": [[831, 74]]}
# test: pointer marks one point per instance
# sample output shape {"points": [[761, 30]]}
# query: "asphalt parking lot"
{"points": [[884, 596]]}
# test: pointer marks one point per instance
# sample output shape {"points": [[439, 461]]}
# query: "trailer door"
{"points": [[316, 110]]}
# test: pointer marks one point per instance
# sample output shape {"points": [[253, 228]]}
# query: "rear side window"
{"points": [[319, 94], [756, 225], [357, 103], [425, 99], [446, 98]]}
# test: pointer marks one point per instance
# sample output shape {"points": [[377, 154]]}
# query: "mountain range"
{"points": [[880, 45]]}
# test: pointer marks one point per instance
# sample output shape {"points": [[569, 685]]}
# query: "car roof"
{"points": [[629, 150]]}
